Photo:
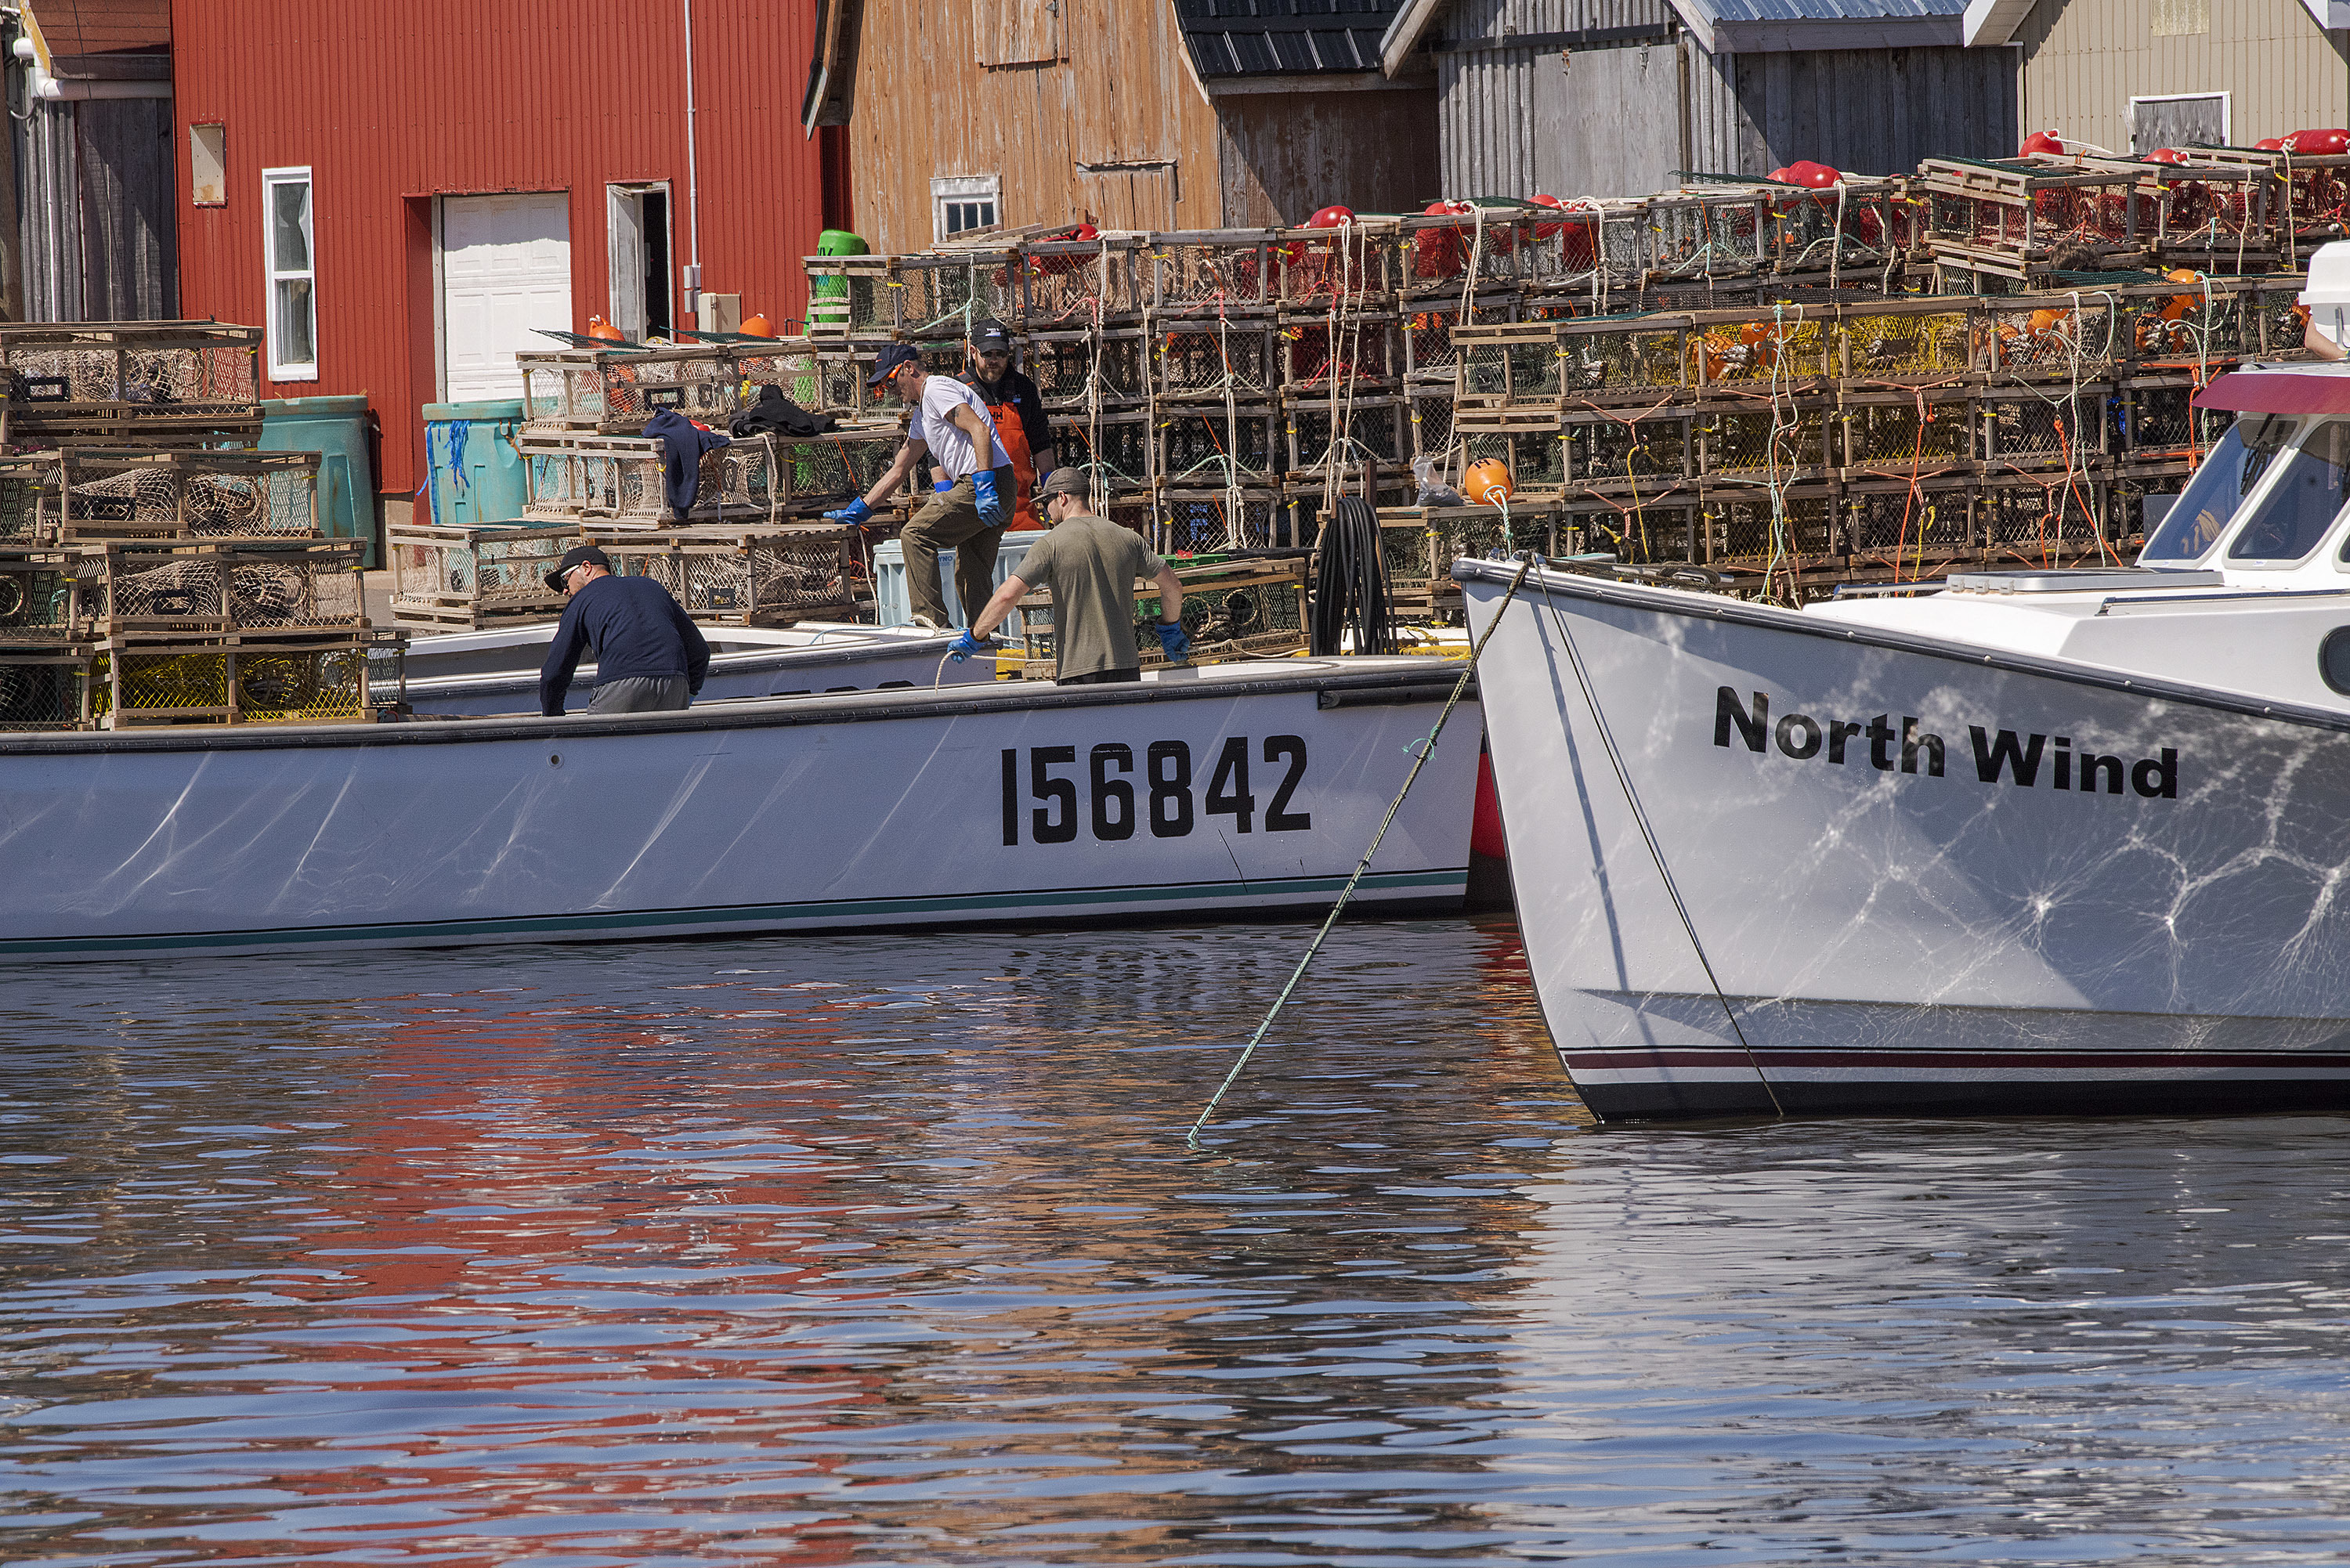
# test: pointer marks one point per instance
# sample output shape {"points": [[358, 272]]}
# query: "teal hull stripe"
{"points": [[839, 913]]}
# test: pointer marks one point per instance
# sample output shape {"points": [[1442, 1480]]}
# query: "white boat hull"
{"points": [[980, 805], [1889, 938], [471, 675]]}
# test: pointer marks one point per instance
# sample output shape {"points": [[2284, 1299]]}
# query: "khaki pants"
{"points": [[949, 519]]}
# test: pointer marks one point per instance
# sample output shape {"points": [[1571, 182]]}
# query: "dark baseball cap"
{"points": [[886, 363], [578, 555], [1066, 480], [987, 332]]}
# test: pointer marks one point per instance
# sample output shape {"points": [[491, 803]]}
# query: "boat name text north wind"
{"points": [[1909, 750]]}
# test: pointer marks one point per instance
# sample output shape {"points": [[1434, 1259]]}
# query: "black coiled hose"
{"points": [[1350, 584]]}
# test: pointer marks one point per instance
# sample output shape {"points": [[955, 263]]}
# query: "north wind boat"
{"points": [[2059, 841], [1231, 789]]}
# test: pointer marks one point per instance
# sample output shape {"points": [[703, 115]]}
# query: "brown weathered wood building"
{"points": [[1145, 114]]}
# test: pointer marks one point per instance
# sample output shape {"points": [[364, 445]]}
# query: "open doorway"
{"points": [[637, 229]]}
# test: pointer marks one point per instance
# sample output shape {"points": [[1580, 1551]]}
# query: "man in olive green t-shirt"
{"points": [[1090, 566]]}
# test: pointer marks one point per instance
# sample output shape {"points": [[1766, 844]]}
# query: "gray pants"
{"points": [[641, 694]]}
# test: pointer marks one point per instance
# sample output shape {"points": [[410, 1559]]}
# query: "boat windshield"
{"points": [[2207, 505], [2299, 509]]}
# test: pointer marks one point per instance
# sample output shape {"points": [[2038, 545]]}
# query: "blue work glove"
{"points": [[964, 645], [991, 505], [854, 514], [1174, 641]]}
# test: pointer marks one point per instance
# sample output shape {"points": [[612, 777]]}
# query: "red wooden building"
{"points": [[401, 193]]}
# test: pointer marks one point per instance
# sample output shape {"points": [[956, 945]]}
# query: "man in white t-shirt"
{"points": [[970, 505]]}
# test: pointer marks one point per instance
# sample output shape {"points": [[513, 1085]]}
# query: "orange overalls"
{"points": [[1014, 437]]}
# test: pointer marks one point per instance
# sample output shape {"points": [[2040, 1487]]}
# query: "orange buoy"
{"points": [[2318, 143], [2270, 144], [2043, 143], [757, 327], [2166, 155], [599, 327], [1488, 482]]}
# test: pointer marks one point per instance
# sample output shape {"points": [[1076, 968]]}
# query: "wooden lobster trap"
{"points": [[1336, 437], [173, 493], [2010, 216], [178, 588], [1488, 244], [1432, 357], [1207, 358], [457, 578], [615, 391], [1203, 272], [1902, 342], [1085, 370], [1713, 231], [268, 679], [47, 687], [1352, 265], [1210, 522], [1205, 445], [746, 577], [942, 293], [135, 382], [25, 480], [42, 596], [851, 297], [1072, 283]]}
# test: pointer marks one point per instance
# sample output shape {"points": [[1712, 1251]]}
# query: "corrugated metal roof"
{"points": [[1283, 37], [1736, 11]]}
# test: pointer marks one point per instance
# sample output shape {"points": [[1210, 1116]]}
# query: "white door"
{"points": [[506, 269]]}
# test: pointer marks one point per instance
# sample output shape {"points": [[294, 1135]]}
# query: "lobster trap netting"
{"points": [[25, 483], [768, 580], [40, 597], [1535, 459], [1341, 436], [2163, 424], [1633, 453], [1505, 365], [501, 570], [1332, 267], [1429, 416], [1637, 530], [1928, 518], [1760, 353], [1762, 523], [1623, 354], [1895, 435], [268, 684], [1210, 273], [2063, 428], [851, 297], [218, 495], [40, 372], [1076, 282], [44, 691], [1210, 445], [1774, 437], [2046, 514], [1210, 521], [1076, 370], [1317, 355], [1214, 357], [1707, 234], [1113, 448], [1906, 344], [315, 585]]}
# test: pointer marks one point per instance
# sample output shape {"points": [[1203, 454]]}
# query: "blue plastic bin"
{"points": [[893, 607], [476, 470], [337, 430]]}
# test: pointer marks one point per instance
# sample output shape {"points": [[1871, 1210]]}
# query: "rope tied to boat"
{"points": [[1427, 748]]}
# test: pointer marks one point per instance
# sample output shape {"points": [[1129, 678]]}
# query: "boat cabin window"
{"points": [[2207, 505], [2299, 509]]}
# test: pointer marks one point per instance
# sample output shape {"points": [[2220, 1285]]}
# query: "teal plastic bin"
{"points": [[474, 465], [337, 430]]}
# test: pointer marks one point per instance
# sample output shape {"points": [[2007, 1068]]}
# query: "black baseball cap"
{"points": [[987, 332], [886, 363], [578, 555]]}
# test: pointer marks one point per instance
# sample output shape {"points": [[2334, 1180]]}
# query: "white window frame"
{"points": [[954, 190], [2227, 108], [271, 274]]}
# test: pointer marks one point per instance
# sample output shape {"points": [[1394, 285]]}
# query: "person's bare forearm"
{"points": [[991, 614], [1171, 596], [1043, 460]]}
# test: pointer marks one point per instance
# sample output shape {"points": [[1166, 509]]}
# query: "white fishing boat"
{"points": [[496, 672], [1229, 790], [2043, 841]]}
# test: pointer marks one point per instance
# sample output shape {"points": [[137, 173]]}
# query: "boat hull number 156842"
{"points": [[1055, 793]]}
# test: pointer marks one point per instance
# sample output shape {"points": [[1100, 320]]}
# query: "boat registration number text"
{"points": [[1117, 791]]}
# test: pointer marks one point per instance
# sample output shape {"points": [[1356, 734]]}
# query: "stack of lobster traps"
{"points": [[1773, 384], [1233, 609], [740, 540], [153, 569]]}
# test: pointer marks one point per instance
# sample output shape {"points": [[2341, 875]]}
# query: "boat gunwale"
{"points": [[1706, 607], [1319, 675]]}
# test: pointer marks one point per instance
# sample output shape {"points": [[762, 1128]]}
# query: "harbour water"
{"points": [[886, 1251]]}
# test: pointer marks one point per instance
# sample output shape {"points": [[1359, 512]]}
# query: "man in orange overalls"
{"points": [[1018, 410]]}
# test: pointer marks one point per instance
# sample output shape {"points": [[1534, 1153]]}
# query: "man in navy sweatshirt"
{"points": [[649, 657]]}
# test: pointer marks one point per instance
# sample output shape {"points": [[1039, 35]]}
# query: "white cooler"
{"points": [[894, 607]]}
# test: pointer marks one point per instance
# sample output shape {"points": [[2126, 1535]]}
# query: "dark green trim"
{"points": [[832, 914]]}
